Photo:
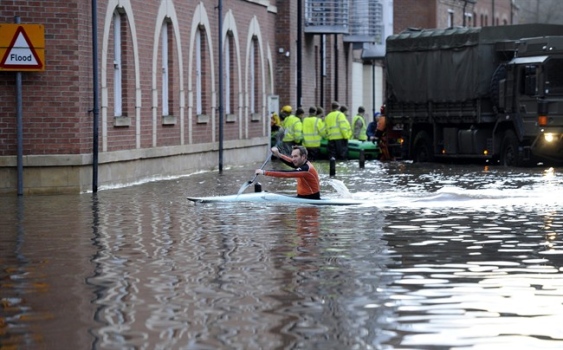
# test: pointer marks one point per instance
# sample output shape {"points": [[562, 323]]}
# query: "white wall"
{"points": [[368, 89]]}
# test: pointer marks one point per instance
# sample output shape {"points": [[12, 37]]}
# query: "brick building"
{"points": [[160, 112], [158, 91], [158, 75], [453, 13]]}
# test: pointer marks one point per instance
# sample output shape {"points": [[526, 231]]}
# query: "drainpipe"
{"points": [[493, 11], [373, 88], [220, 41], [322, 69], [336, 67], [95, 96], [299, 52]]}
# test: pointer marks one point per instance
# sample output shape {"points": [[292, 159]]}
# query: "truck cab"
{"points": [[532, 103]]}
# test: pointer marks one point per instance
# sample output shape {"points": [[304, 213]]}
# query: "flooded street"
{"points": [[439, 257]]}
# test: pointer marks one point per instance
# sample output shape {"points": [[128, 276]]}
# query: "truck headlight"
{"points": [[549, 137]]}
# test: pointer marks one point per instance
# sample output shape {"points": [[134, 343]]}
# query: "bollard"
{"points": [[332, 167], [362, 159], [257, 187]]}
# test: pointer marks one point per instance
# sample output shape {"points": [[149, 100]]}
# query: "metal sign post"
{"points": [[22, 48]]}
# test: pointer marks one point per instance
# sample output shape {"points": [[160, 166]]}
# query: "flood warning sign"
{"points": [[22, 47]]}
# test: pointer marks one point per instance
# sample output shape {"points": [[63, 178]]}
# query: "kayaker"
{"points": [[308, 184]]}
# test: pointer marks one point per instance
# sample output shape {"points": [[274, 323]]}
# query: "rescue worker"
{"points": [[381, 125], [359, 124], [276, 131], [372, 127], [308, 184], [275, 122], [321, 113], [293, 129], [381, 135], [338, 133], [313, 131]]}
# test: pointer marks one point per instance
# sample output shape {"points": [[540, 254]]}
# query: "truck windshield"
{"points": [[554, 76]]}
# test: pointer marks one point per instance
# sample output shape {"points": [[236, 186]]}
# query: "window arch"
{"points": [[253, 76], [198, 72], [228, 72], [167, 66]]}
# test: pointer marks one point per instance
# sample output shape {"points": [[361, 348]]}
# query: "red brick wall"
{"points": [[57, 101], [502, 12], [54, 110], [286, 70], [434, 13], [286, 37], [413, 13]]}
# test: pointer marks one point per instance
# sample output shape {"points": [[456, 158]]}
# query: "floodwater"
{"points": [[439, 257]]}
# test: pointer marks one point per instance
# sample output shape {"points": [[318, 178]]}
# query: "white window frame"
{"points": [[468, 19], [251, 77], [450, 18], [227, 70], [117, 64], [165, 70], [198, 77]]}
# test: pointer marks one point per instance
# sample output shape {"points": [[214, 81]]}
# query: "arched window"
{"points": [[198, 73], [117, 66], [251, 79], [227, 73], [253, 83], [165, 52]]}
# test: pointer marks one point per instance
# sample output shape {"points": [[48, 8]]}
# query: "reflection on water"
{"points": [[443, 257]]}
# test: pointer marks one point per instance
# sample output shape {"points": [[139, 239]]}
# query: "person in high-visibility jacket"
{"points": [[313, 131], [359, 124], [321, 112], [293, 129], [338, 133]]}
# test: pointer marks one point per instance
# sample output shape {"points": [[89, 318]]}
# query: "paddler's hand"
{"points": [[259, 172], [276, 152]]}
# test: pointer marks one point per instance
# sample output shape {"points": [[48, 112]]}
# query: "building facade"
{"points": [[158, 74], [167, 102], [453, 13]]}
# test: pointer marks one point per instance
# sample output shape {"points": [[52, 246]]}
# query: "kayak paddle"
{"points": [[248, 183]]}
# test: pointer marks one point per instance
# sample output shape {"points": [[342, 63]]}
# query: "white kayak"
{"points": [[269, 197]]}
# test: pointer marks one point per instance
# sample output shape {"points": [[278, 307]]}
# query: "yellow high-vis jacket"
{"points": [[313, 131], [338, 127], [359, 124], [293, 129]]}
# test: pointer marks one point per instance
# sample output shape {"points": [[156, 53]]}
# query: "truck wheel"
{"points": [[509, 155], [422, 151]]}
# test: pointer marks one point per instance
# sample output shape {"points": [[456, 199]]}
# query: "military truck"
{"points": [[490, 93]]}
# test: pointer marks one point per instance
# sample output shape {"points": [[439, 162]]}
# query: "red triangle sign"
{"points": [[20, 53]]}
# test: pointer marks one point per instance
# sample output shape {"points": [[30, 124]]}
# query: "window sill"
{"points": [[202, 119], [122, 121], [168, 120], [231, 118]]}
